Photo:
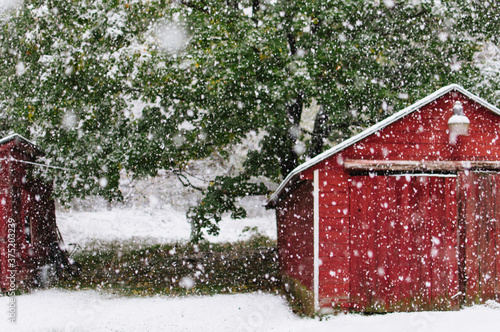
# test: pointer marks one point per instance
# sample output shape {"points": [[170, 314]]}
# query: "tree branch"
{"points": [[187, 183], [320, 132], [255, 9], [188, 3]]}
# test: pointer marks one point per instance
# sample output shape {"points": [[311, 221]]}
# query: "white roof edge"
{"points": [[13, 136], [376, 127]]}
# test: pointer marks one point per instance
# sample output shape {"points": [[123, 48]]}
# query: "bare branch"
{"points": [[185, 181]]}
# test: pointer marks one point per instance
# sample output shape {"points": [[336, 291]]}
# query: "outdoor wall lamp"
{"points": [[458, 123]]}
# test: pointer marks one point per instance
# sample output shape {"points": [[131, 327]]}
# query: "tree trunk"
{"points": [[288, 155], [321, 131]]}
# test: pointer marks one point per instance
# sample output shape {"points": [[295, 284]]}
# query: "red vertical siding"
{"points": [[423, 135], [450, 245], [17, 191], [5, 206], [481, 235], [334, 236], [362, 237], [403, 234], [5, 214], [18, 200], [294, 214]]}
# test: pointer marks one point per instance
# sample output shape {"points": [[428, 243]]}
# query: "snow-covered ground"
{"points": [[75, 311], [57, 310], [161, 218], [158, 225]]}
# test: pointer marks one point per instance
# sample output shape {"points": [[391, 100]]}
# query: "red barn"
{"points": [[28, 232], [404, 216]]}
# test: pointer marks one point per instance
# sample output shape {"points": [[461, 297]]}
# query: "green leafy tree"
{"points": [[112, 87], [258, 65], [66, 69]]}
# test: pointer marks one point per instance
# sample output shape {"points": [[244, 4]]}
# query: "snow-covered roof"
{"points": [[377, 127], [16, 136]]}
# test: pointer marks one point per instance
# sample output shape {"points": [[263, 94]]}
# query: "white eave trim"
{"points": [[13, 137], [377, 127]]}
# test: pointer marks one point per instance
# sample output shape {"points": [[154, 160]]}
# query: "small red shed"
{"points": [[28, 233], [403, 216]]}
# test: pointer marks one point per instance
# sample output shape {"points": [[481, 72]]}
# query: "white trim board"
{"points": [[429, 175], [377, 127], [316, 241]]}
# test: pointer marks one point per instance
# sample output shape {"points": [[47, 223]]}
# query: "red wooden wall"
{"points": [[423, 135], [23, 200], [333, 238], [5, 208], [480, 224], [294, 214], [403, 243]]}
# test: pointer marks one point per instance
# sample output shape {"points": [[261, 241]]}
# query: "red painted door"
{"points": [[403, 240], [480, 235]]}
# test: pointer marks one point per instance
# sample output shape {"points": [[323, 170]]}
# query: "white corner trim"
{"points": [[316, 240]]}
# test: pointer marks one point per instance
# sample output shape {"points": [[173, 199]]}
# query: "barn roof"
{"points": [[375, 128], [18, 139], [15, 136]]}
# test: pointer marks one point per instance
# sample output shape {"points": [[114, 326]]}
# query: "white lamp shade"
{"points": [[458, 125]]}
